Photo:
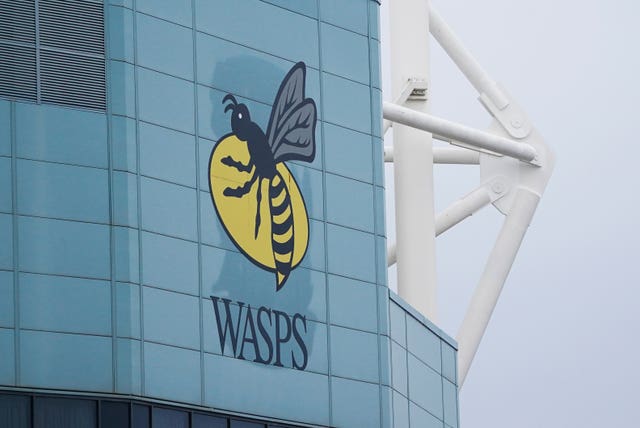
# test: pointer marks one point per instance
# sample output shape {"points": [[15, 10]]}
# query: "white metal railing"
{"points": [[515, 166]]}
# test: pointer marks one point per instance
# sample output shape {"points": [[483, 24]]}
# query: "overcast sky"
{"points": [[562, 347]]}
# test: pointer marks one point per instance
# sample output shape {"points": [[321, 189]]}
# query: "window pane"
{"points": [[114, 414], [165, 418], [15, 411], [65, 413], [140, 416], [205, 421], [246, 424]]}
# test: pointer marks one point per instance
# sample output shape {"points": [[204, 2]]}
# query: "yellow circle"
{"points": [[238, 214]]}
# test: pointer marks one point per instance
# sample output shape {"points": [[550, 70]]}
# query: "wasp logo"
{"points": [[255, 195]]}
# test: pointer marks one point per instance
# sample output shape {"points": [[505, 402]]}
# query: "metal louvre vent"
{"points": [[72, 79], [18, 72], [72, 24], [52, 51], [18, 21]]}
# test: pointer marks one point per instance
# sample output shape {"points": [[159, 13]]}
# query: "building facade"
{"points": [[171, 255]]}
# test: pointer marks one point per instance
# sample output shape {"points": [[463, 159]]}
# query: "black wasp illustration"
{"points": [[290, 136]]}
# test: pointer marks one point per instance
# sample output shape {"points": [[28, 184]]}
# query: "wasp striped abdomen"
{"points": [[282, 229]]}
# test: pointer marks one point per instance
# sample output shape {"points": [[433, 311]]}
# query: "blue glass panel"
{"points": [[222, 18], [350, 203], [6, 299], [7, 357], [245, 72], [315, 256], [380, 219], [63, 191], [420, 418], [351, 302], [61, 134], [400, 410], [166, 100], [212, 231], [344, 53], [172, 373], [65, 361], [399, 368], [350, 14], [309, 182], [164, 46], [423, 344], [65, 304], [170, 263], [346, 103], [316, 341], [449, 360], [450, 403], [6, 192], [398, 324], [126, 254], [123, 143], [374, 20], [122, 87], [348, 153], [378, 162], [128, 310], [356, 260], [6, 238], [120, 33], [167, 155], [5, 128], [374, 58], [306, 7], [425, 387], [354, 404], [125, 198], [354, 354], [169, 209], [178, 11], [383, 310], [386, 404], [280, 393], [128, 378], [385, 360], [381, 260], [171, 318], [376, 112], [229, 273], [64, 247]]}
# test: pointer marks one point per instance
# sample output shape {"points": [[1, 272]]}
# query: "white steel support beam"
{"points": [[445, 155], [465, 61], [493, 278], [457, 132], [413, 171], [460, 210]]}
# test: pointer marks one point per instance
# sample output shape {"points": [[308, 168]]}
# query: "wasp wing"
{"points": [[295, 139], [290, 95]]}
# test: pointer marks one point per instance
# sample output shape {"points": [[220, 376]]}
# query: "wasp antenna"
{"points": [[229, 107], [231, 98]]}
